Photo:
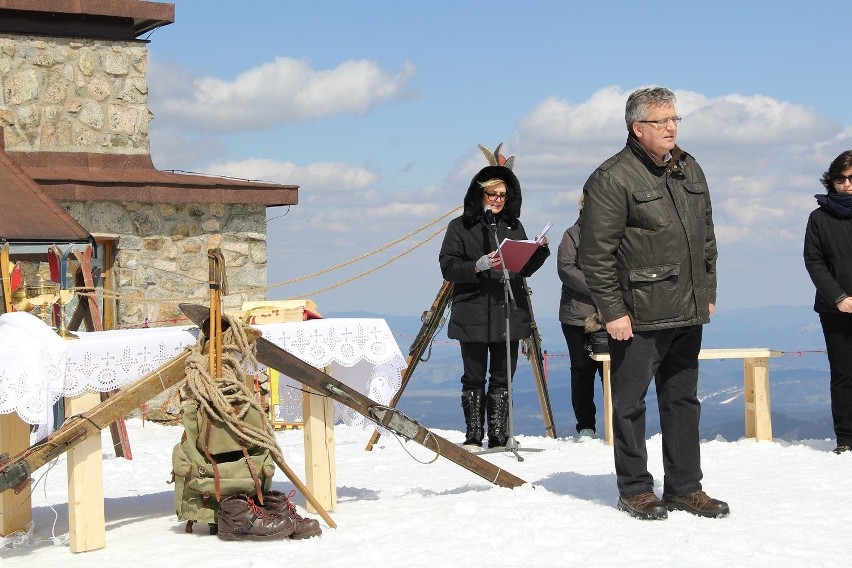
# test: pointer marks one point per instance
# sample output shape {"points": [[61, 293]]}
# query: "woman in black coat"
{"points": [[478, 319], [828, 258]]}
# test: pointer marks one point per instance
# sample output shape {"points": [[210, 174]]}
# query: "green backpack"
{"points": [[211, 463]]}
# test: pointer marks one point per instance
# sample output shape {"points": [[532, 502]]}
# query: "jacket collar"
{"points": [[654, 165]]}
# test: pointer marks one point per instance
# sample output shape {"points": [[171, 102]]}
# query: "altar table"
{"points": [[37, 368]]}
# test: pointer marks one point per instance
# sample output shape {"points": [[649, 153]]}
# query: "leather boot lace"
{"points": [[642, 499], [291, 507], [259, 511]]}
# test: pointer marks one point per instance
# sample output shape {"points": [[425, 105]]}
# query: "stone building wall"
{"points": [[74, 95], [162, 253]]}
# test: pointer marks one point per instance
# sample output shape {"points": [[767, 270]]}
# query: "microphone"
{"points": [[489, 216]]}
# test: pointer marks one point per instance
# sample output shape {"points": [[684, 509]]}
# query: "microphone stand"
{"points": [[511, 444]]}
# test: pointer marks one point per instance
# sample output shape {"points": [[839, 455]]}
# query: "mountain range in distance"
{"points": [[799, 379]]}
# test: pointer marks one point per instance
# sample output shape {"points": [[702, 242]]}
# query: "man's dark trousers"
{"points": [[670, 356]]}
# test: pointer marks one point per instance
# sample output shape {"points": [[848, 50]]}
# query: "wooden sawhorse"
{"points": [[758, 418]]}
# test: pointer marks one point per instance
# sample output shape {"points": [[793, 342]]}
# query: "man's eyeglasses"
{"points": [[840, 180], [663, 122], [496, 196]]}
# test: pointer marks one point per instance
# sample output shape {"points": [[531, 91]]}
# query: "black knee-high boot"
{"points": [[498, 417], [473, 405]]}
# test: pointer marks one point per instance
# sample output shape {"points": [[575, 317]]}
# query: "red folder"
{"points": [[517, 253]]}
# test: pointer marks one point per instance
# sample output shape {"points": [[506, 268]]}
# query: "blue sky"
{"points": [[375, 109]]}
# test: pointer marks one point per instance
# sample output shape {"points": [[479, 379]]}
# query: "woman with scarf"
{"points": [[828, 259], [478, 319]]}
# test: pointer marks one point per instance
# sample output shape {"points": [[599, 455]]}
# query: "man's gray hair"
{"points": [[641, 100]]}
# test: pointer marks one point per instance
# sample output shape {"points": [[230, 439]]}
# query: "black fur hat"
{"points": [[499, 168]]}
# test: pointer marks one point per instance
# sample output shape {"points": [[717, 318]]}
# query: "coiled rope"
{"points": [[228, 398]]}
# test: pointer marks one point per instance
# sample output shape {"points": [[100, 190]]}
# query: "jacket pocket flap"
{"points": [[654, 273], [645, 195], [698, 188]]}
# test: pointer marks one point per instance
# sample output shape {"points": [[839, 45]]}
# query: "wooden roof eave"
{"points": [[81, 176]]}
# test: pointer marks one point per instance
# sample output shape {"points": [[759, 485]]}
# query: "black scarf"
{"points": [[840, 205]]}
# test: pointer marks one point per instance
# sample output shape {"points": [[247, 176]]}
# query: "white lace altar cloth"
{"points": [[361, 353], [37, 367]]}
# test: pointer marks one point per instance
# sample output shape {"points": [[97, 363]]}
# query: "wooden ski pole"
{"points": [[214, 339]]}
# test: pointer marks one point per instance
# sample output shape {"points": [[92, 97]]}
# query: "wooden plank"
{"points": [[739, 353], [320, 468], [15, 508], [86, 519], [713, 353]]}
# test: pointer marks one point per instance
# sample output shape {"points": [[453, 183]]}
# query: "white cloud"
{"points": [[558, 122], [283, 90], [762, 156], [752, 121]]}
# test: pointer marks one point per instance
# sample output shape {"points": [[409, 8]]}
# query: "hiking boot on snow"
{"points": [[240, 518], [697, 503], [278, 503], [645, 506]]}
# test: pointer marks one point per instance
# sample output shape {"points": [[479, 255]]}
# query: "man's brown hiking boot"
{"points": [[645, 506], [698, 503]]}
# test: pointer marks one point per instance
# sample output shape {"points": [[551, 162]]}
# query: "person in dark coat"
{"points": [[648, 251], [828, 259], [575, 305], [478, 318]]}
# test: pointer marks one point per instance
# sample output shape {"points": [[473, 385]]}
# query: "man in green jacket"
{"points": [[648, 252]]}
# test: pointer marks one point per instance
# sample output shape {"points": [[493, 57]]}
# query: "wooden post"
{"points": [[15, 508], [86, 519], [758, 418], [607, 400], [320, 471]]}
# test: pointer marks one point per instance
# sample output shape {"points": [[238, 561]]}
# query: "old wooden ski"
{"points": [[431, 321], [395, 421], [87, 305], [532, 349]]}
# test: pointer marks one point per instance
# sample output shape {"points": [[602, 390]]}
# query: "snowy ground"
{"points": [[790, 507]]}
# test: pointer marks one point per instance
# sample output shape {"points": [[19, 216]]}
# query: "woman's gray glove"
{"points": [[484, 263]]}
